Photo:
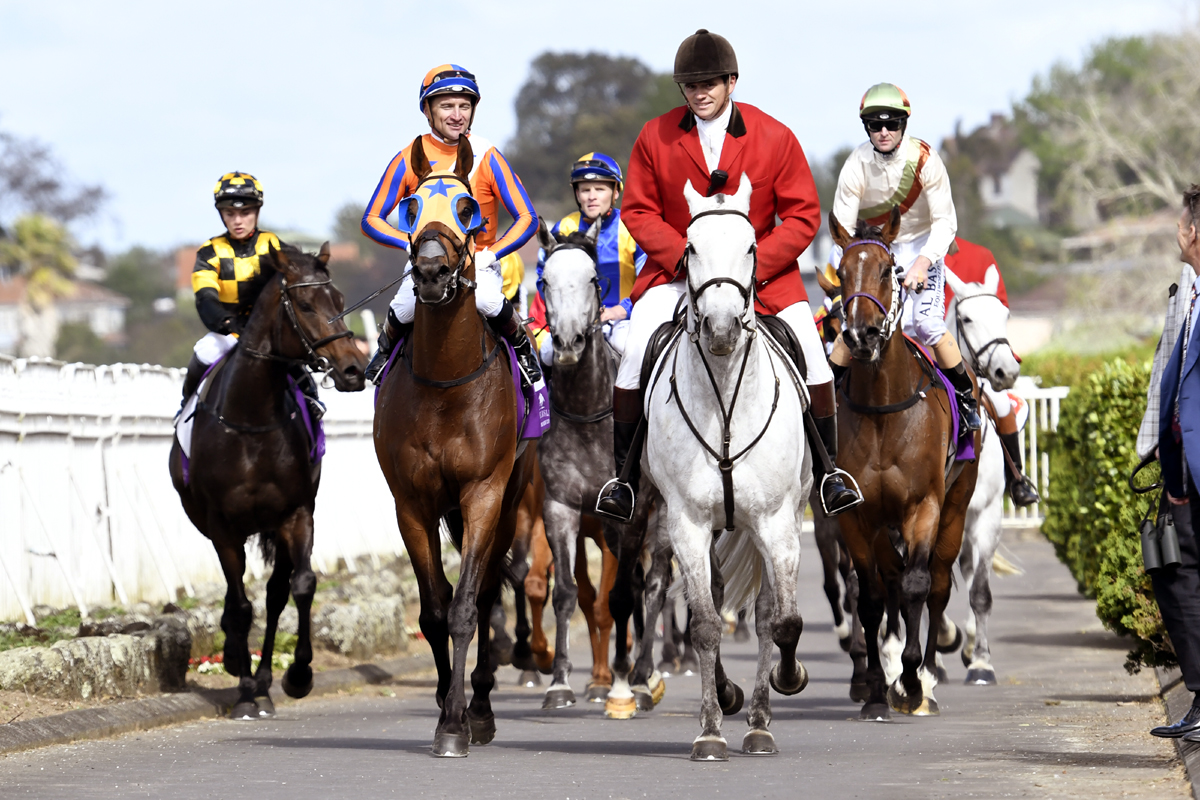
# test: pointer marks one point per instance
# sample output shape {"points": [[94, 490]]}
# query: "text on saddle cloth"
{"points": [[533, 405]]}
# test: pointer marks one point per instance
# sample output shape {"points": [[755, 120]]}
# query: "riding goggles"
{"points": [[593, 170], [877, 125]]}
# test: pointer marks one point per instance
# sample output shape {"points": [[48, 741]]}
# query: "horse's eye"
{"points": [[305, 307], [966, 320]]}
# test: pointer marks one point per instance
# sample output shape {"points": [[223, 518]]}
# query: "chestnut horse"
{"points": [[249, 469], [446, 438], [896, 439]]}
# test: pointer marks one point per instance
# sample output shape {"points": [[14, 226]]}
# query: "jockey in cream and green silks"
{"points": [[892, 170], [597, 182], [448, 97], [228, 277]]}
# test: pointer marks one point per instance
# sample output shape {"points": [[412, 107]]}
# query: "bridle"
{"points": [[312, 359], [457, 278], [891, 314], [988, 348], [589, 334], [695, 292]]}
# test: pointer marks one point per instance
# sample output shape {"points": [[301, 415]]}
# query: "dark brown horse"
{"points": [[894, 424], [250, 471], [446, 438]]}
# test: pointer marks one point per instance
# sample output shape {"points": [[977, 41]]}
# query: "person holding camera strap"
{"points": [[1171, 429]]}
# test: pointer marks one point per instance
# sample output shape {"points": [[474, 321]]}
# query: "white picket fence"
{"points": [[88, 515]]}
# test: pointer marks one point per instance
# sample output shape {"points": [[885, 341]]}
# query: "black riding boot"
{"points": [[617, 497], [508, 325], [968, 406], [836, 496], [191, 381], [1020, 488], [390, 332], [308, 387]]}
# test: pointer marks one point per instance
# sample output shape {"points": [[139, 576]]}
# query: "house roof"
{"points": [[12, 293]]}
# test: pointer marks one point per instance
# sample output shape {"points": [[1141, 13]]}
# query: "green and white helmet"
{"points": [[884, 101]]}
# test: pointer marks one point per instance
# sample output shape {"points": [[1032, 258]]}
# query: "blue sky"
{"points": [[156, 100]]}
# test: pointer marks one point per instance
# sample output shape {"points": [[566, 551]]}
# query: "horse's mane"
{"points": [[579, 239]]}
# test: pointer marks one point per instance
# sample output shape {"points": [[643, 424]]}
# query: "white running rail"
{"points": [[1044, 406]]}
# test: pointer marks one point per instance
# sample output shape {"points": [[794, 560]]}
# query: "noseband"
{"points": [[891, 314], [456, 278], [988, 348], [746, 291]]}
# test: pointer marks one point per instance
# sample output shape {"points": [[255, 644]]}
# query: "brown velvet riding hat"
{"points": [[704, 56]]}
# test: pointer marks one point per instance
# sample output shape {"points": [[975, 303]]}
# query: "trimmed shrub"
{"points": [[1092, 517]]}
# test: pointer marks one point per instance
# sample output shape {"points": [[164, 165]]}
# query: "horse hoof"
{"points": [[668, 668], [731, 702], [689, 666], [981, 676], [759, 743], [875, 712], [657, 688], [482, 730], [266, 708], [906, 703], [297, 681], [793, 689], [860, 692], [643, 698], [741, 633], [927, 708], [956, 644], [597, 693], [559, 697], [245, 711], [710, 749], [450, 745], [530, 679], [620, 707], [942, 675]]}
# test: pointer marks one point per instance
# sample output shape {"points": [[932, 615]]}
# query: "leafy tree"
{"points": [[825, 174], [574, 103], [38, 250], [143, 276], [32, 182]]}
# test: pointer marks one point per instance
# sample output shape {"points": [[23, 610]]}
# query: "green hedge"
{"points": [[1092, 516]]}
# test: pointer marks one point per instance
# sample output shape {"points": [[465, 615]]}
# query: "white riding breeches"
{"points": [[615, 333], [657, 306], [489, 295], [213, 345]]}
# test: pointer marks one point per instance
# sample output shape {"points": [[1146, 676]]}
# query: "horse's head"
{"points": [[571, 289], [307, 330], [981, 327], [441, 219], [721, 256], [870, 287]]}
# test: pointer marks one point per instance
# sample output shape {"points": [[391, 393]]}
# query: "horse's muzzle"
{"points": [[568, 353], [865, 343], [722, 335]]}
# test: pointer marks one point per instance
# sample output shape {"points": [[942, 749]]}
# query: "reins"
{"points": [[988, 347]]}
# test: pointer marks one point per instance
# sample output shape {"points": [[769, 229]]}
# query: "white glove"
{"points": [[486, 259]]}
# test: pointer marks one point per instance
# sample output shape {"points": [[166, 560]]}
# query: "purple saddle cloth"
{"points": [[533, 405]]}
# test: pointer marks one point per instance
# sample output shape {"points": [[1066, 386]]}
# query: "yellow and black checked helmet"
{"points": [[238, 190]]}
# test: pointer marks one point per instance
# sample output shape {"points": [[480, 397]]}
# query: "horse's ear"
{"points": [[593, 233], [323, 255], [892, 229], [465, 160], [741, 198], [991, 279], [827, 285], [836, 232], [279, 259], [418, 162], [545, 238], [692, 196], [957, 284]]}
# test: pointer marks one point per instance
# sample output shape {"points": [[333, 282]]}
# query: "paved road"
{"points": [[1065, 721]]}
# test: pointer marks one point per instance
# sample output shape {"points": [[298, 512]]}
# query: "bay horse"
{"points": [[896, 439], [576, 455], [446, 438], [250, 471], [718, 390]]}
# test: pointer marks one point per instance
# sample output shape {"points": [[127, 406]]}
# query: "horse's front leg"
{"points": [[480, 717], [907, 694], [978, 550], [236, 618], [779, 535], [621, 703], [871, 596], [729, 694], [522, 657], [647, 684], [562, 523], [296, 539], [422, 540], [278, 588], [537, 589], [825, 531], [759, 740], [692, 543]]}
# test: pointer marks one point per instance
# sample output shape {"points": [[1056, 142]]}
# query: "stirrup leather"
{"points": [[845, 476], [604, 490]]}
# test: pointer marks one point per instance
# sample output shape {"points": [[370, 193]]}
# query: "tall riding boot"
{"points": [[508, 325], [308, 387], [391, 332], [617, 497], [1020, 488], [968, 406], [191, 381], [836, 496]]}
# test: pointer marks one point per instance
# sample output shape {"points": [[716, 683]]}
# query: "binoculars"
{"points": [[1160, 542]]}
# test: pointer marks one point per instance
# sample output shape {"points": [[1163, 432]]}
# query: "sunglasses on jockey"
{"points": [[877, 125]]}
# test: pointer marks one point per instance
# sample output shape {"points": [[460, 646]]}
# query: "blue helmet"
{"points": [[597, 167], [448, 79]]}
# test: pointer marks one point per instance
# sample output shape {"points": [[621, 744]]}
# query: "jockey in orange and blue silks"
{"points": [[448, 97], [597, 182]]}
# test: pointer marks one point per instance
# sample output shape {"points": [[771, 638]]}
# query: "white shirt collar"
{"points": [[712, 135]]}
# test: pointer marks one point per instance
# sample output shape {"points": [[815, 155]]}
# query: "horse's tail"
{"points": [[1002, 566], [742, 567], [266, 548]]}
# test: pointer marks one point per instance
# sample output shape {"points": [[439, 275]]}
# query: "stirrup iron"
{"points": [[845, 476], [604, 489]]}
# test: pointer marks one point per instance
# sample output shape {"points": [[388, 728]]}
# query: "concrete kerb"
{"points": [[1178, 700], [173, 709]]}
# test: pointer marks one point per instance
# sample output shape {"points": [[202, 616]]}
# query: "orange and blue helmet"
{"points": [[597, 167], [448, 79]]}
